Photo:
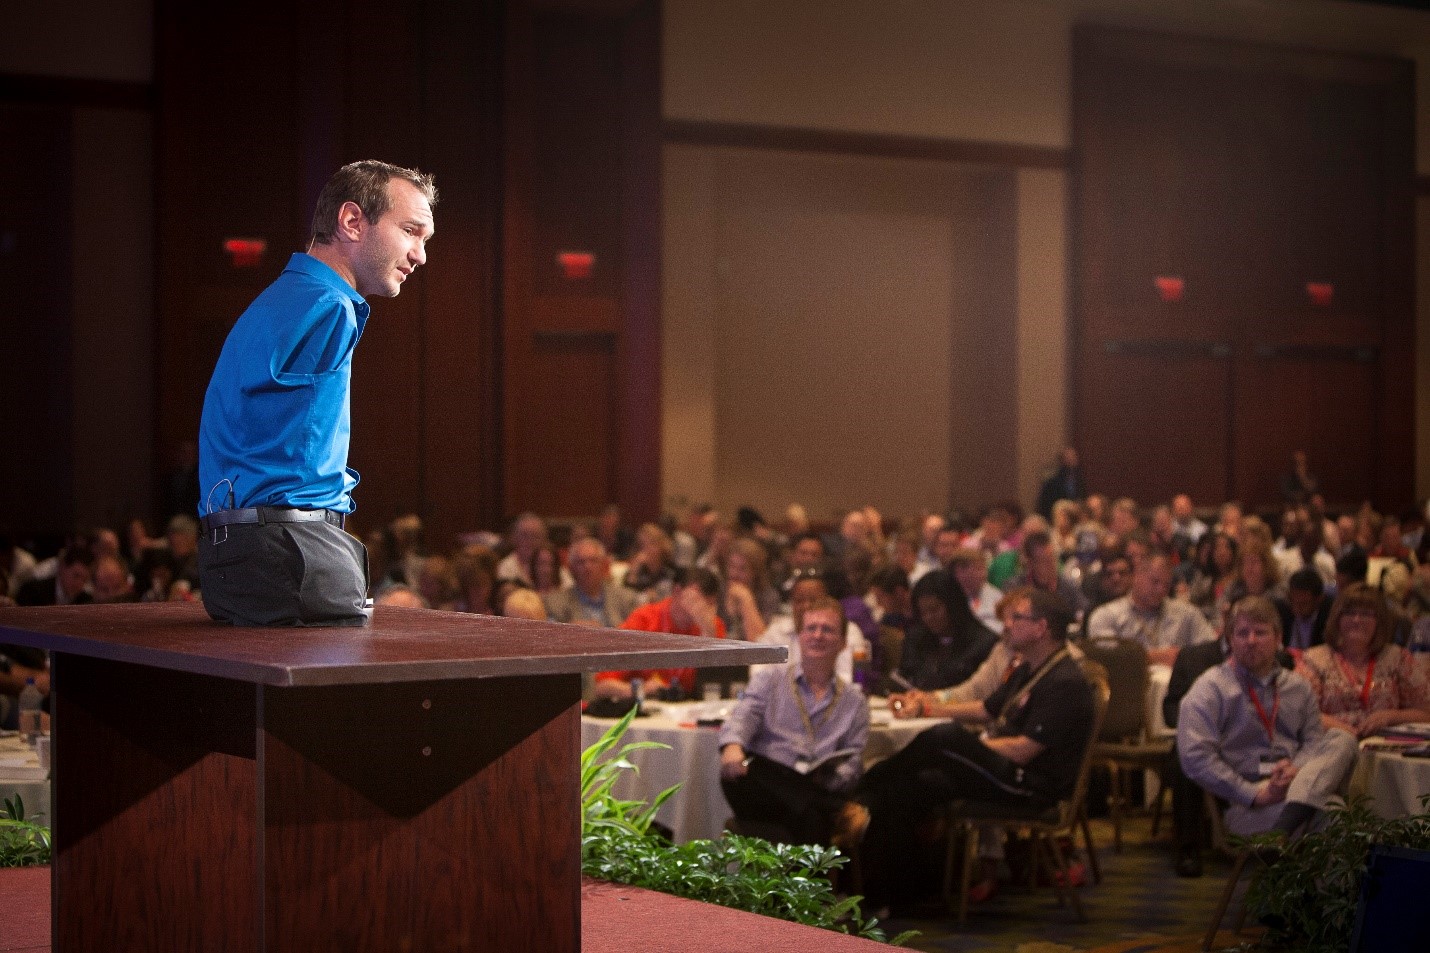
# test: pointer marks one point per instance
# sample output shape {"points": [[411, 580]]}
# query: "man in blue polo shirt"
{"points": [[273, 441]]}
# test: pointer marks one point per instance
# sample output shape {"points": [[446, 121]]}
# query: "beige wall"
{"points": [[778, 266], [978, 70]]}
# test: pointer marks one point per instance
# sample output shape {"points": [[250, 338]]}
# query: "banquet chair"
{"points": [[1045, 827], [1124, 743]]}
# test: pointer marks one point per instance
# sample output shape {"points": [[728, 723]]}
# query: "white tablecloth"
{"points": [[35, 792], [699, 809], [1393, 781]]}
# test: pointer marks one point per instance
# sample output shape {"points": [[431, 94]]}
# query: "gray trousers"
{"points": [[1322, 774], [281, 574]]}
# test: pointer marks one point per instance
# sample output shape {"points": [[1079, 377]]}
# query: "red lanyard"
{"points": [[1267, 721], [1369, 675]]}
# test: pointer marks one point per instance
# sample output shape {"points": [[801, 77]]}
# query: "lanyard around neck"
{"points": [[824, 716], [1267, 721], [1369, 676]]}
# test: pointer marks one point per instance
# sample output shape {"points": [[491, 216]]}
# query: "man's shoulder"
{"points": [[1113, 610], [647, 617]]}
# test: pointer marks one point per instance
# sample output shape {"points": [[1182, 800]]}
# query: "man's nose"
{"points": [[419, 254]]}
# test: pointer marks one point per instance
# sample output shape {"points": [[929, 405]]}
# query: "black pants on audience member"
{"points": [[772, 794], [945, 763]]}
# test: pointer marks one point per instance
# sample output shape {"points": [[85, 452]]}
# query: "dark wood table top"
{"points": [[401, 645]]}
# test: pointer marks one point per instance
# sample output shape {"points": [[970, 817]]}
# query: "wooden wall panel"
{"points": [[582, 175], [257, 111], [1247, 172], [36, 373]]}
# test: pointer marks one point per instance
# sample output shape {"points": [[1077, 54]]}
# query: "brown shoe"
{"points": [[850, 825]]}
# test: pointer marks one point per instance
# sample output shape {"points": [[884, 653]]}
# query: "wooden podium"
{"points": [[411, 786]]}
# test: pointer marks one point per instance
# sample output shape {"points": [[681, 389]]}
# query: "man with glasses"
{"points": [[1251, 733], [1035, 729]]}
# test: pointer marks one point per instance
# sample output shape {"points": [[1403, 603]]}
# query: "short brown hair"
{"points": [[1258, 609], [1359, 595], [365, 185]]}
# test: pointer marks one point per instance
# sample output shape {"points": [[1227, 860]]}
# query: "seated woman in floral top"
{"points": [[1363, 682]]}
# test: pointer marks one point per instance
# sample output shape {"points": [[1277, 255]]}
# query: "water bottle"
{"points": [[638, 693], [30, 699]]}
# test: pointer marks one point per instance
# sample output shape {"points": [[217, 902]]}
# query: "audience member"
{"points": [[528, 534], [792, 750], [651, 568], [70, 585], [1251, 734], [112, 581], [402, 595], [947, 643], [1040, 571], [476, 571], [1037, 726], [688, 610], [970, 568], [809, 585], [1064, 483], [1304, 610], [593, 598], [1363, 682], [524, 603], [1147, 615]]}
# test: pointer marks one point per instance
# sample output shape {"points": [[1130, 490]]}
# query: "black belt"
{"points": [[269, 514]]}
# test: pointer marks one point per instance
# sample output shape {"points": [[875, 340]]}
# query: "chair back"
{"points": [[1125, 664], [1096, 676], [891, 653]]}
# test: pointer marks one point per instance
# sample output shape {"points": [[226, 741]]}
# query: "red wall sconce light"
{"points": [[1320, 293], [245, 252], [576, 265], [1169, 288]]}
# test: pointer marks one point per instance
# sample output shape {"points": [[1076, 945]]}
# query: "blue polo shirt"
{"points": [[276, 418]]}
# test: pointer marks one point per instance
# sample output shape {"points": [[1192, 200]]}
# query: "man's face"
{"points": [[395, 245], [589, 565], [1023, 630], [807, 554], [528, 534], [945, 545], [1150, 584], [971, 576], [805, 591], [74, 578], [930, 530], [1254, 645], [1182, 507], [110, 580], [820, 635], [855, 528], [1124, 521]]}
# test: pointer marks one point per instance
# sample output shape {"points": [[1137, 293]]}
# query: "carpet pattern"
{"points": [[1141, 906]]}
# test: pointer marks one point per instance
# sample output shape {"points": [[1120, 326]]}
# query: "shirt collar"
{"points": [[305, 264]]}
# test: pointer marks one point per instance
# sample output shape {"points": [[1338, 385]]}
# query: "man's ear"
{"points": [[350, 222]]}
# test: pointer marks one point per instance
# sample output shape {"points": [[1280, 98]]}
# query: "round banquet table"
{"points": [[698, 810], [1393, 781]]}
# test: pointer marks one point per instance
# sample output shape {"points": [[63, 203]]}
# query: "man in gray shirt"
{"points": [[1145, 614], [1251, 733], [593, 598]]}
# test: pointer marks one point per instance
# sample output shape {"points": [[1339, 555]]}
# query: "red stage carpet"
{"points": [[614, 919]]}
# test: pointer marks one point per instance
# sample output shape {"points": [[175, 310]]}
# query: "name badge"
{"points": [[801, 766]]}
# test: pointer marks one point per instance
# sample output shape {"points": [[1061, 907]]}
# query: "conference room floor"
{"points": [[1140, 905]]}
